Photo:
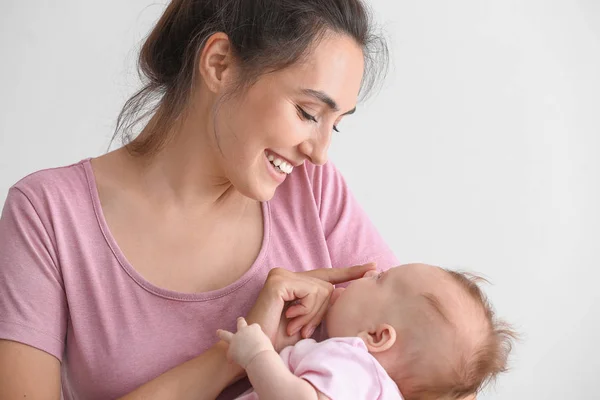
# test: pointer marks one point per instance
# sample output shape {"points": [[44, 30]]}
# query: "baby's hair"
{"points": [[491, 358], [475, 369]]}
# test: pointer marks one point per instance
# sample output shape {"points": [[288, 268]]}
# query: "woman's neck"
{"points": [[185, 173]]}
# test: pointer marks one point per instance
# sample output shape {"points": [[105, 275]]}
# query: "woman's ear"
{"points": [[380, 339], [216, 62]]}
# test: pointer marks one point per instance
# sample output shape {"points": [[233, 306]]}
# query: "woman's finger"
{"points": [[340, 275], [241, 323], [224, 335], [308, 303], [296, 310], [300, 290], [303, 322], [312, 324], [314, 304], [370, 273]]}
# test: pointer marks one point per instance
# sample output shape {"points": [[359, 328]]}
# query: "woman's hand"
{"points": [[292, 304]]}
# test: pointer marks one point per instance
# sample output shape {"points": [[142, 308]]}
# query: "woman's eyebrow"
{"points": [[325, 98]]}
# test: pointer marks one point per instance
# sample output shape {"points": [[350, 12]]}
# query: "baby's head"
{"points": [[431, 329]]}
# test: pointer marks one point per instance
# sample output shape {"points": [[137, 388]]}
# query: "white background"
{"points": [[480, 153]]}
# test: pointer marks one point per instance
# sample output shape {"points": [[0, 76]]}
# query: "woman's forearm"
{"points": [[203, 377], [272, 380]]}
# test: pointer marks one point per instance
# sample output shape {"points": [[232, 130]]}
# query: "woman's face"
{"points": [[288, 117]]}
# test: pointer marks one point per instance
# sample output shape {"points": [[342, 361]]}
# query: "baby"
{"points": [[413, 332]]}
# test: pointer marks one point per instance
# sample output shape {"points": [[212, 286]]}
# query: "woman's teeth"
{"points": [[283, 166]]}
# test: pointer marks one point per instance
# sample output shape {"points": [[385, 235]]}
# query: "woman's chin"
{"points": [[264, 195], [259, 192], [264, 189]]}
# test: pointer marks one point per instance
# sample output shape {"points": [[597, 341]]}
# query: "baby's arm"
{"points": [[270, 377]]}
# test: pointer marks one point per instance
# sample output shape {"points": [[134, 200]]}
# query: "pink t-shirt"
{"points": [[67, 289], [340, 368]]}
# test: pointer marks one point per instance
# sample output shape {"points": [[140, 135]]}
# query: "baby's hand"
{"points": [[246, 344]]}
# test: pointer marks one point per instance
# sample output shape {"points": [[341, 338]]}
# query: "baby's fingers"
{"points": [[241, 323], [225, 335]]}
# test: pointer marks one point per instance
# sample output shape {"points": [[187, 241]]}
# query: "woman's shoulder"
{"points": [[68, 180], [52, 191]]}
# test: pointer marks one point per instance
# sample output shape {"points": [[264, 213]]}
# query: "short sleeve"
{"points": [[351, 236], [33, 306], [341, 370]]}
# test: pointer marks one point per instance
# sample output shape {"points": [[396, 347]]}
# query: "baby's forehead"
{"points": [[421, 277]]}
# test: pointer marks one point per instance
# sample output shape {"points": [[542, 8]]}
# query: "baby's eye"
{"points": [[379, 275]]}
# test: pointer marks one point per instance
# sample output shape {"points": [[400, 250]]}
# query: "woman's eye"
{"points": [[306, 115], [310, 117]]}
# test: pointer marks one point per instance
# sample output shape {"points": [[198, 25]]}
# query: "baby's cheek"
{"points": [[335, 295]]}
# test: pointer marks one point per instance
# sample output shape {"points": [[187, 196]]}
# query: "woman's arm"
{"points": [[26, 372], [203, 377]]}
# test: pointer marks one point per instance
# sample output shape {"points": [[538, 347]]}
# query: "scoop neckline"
{"points": [[149, 286]]}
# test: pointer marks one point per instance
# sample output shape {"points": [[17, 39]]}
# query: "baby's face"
{"points": [[407, 310], [392, 297], [346, 314]]}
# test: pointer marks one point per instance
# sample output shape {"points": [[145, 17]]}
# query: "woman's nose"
{"points": [[316, 149]]}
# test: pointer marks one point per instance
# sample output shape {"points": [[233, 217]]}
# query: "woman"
{"points": [[115, 272]]}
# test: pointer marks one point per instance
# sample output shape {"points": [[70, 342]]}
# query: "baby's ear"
{"points": [[380, 339]]}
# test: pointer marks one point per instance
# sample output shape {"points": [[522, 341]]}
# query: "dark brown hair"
{"points": [[266, 36]]}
